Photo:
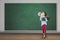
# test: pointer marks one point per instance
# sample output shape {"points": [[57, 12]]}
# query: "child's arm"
{"points": [[40, 18], [46, 19], [39, 14]]}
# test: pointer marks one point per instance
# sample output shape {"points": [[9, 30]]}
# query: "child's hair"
{"points": [[46, 15]]}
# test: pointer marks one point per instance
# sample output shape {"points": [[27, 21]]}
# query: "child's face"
{"points": [[42, 14]]}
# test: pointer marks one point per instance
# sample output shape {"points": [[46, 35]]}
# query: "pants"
{"points": [[44, 29]]}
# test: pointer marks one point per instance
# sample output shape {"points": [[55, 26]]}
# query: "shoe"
{"points": [[44, 36]]}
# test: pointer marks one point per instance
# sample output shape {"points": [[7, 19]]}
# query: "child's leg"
{"points": [[44, 29]]}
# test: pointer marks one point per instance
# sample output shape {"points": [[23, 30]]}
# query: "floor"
{"points": [[28, 37]]}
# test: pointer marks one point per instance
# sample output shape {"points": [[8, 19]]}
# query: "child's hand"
{"points": [[39, 13], [47, 17]]}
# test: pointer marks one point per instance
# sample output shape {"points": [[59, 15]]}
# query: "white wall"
{"points": [[2, 11], [1, 15]]}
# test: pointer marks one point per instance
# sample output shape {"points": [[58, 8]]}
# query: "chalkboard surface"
{"points": [[23, 16]]}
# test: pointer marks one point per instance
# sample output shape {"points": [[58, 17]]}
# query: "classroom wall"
{"points": [[1, 15], [29, 1]]}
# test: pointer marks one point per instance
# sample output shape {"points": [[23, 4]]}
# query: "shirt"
{"points": [[43, 20]]}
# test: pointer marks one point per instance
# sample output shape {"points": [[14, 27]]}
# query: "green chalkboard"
{"points": [[23, 16]]}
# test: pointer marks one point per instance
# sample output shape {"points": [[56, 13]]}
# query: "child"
{"points": [[44, 19]]}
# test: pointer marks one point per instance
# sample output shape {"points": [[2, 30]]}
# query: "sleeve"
{"points": [[46, 19], [40, 18]]}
